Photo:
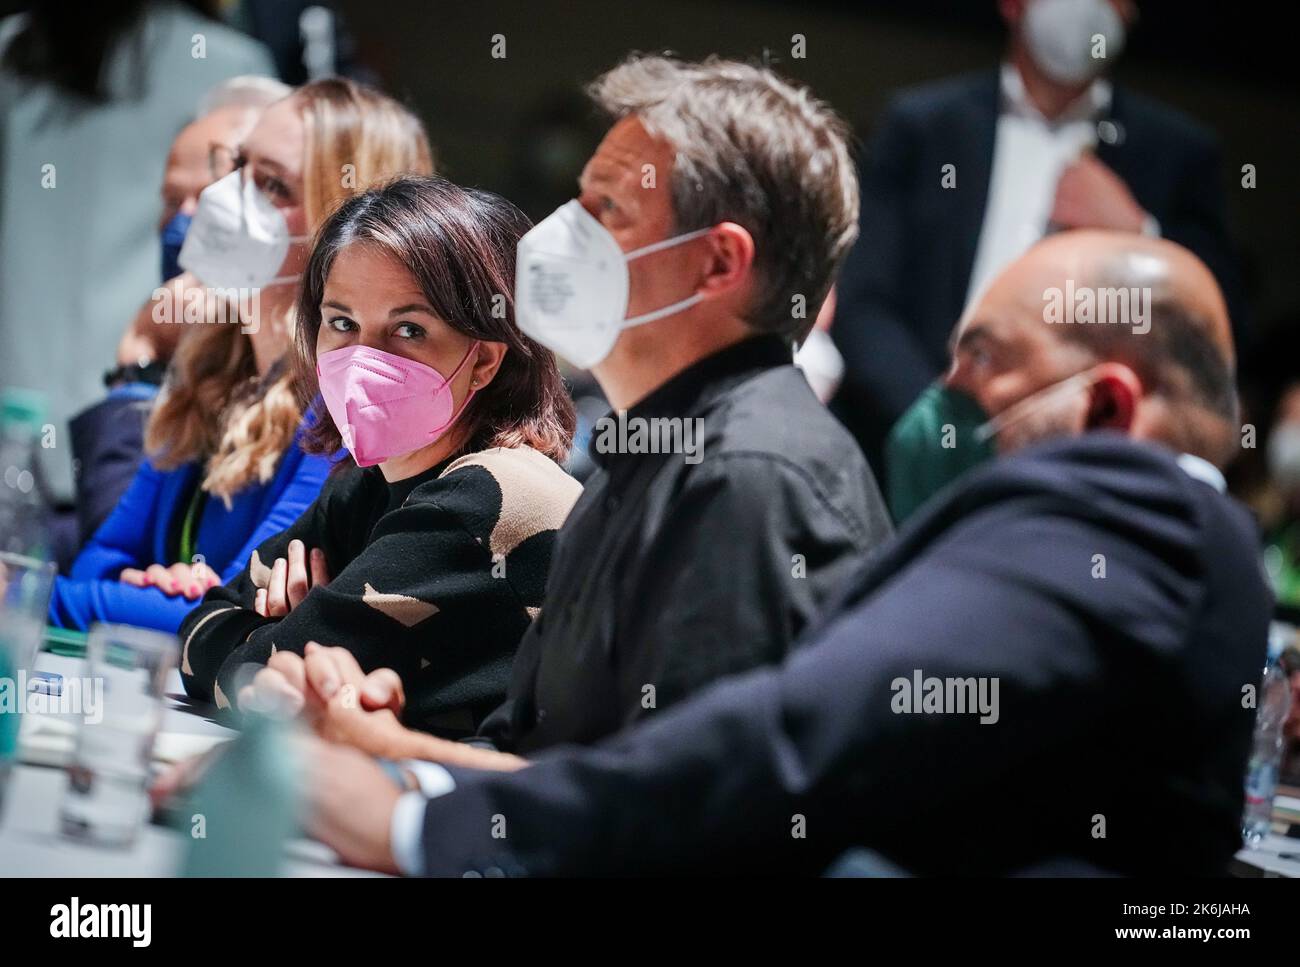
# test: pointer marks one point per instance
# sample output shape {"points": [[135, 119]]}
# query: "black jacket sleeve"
{"points": [[214, 630]]}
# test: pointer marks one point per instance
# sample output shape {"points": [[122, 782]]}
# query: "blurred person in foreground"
{"points": [[107, 438], [696, 254], [1054, 650], [964, 174], [91, 96], [226, 468]]}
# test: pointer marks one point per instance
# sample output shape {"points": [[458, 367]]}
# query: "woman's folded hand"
{"points": [[190, 581], [291, 578]]}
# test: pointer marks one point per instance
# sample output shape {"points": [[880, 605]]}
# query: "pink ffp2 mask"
{"points": [[386, 405]]}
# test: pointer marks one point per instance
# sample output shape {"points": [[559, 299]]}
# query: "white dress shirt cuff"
{"points": [[406, 828]]}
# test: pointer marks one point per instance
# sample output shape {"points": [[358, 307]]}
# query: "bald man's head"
{"points": [[1143, 317], [190, 162]]}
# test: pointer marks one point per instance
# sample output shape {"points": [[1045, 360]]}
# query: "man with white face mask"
{"points": [[682, 275], [969, 172]]}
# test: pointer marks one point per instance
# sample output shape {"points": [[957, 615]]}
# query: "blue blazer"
{"points": [[138, 533]]}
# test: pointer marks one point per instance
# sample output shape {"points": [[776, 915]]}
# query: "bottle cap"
{"points": [[22, 407]]}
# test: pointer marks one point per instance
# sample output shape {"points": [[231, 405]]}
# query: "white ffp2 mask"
{"points": [[571, 285], [1059, 35], [237, 239]]}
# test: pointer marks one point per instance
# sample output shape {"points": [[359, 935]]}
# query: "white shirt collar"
{"points": [[1202, 470], [1088, 106]]}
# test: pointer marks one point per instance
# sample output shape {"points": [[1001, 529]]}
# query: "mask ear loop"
{"points": [[286, 279], [468, 396], [673, 307], [1018, 411], [636, 253]]}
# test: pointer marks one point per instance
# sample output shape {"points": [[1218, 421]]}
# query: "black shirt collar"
{"points": [[700, 383], [399, 490]]}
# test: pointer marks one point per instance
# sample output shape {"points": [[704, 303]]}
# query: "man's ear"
{"points": [[1116, 392], [731, 254]]}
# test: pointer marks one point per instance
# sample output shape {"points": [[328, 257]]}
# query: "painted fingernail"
{"points": [[194, 589]]}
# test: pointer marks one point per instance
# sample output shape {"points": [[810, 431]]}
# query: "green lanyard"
{"points": [[190, 525]]}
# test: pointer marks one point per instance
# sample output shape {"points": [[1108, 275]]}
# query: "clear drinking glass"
{"points": [[25, 585], [122, 707]]}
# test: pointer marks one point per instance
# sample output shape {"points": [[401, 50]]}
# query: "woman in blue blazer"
{"points": [[149, 524]]}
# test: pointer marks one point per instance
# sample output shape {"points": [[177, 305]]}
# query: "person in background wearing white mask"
{"points": [[108, 437], [729, 505], [963, 175], [226, 469], [205, 150]]}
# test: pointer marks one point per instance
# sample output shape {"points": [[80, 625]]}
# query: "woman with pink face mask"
{"points": [[427, 551]]}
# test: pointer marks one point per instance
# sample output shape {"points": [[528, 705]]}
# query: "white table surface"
{"points": [[31, 845], [1267, 857]]}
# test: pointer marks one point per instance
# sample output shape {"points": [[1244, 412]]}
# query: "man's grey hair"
{"points": [[248, 90], [754, 149]]}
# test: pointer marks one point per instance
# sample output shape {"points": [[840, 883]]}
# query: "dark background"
{"points": [[519, 125]]}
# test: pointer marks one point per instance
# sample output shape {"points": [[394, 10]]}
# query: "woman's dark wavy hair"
{"points": [[459, 246]]}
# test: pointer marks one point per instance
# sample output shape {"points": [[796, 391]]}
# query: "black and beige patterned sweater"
{"points": [[436, 576]]}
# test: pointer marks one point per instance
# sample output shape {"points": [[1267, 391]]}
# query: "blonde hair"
{"points": [[214, 407]]}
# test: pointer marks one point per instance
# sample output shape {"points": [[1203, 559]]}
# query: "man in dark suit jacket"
{"points": [[1049, 664], [964, 174]]}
